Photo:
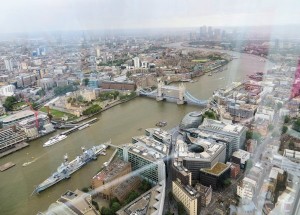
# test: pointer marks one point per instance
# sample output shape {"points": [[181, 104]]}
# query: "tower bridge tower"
{"points": [[160, 84], [181, 93]]}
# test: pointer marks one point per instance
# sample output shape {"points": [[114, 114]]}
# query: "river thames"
{"points": [[119, 124]]}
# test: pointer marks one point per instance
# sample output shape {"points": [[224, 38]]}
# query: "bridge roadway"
{"points": [[188, 98]]}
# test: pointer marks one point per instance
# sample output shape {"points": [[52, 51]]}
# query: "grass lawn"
{"points": [[58, 114], [18, 105], [200, 60]]}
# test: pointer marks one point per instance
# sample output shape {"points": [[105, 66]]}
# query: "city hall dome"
{"points": [[191, 120]]}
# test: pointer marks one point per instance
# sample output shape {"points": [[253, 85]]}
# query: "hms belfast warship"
{"points": [[66, 169]]}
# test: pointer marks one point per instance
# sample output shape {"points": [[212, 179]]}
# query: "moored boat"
{"points": [[54, 140], [66, 169], [161, 123], [84, 126]]}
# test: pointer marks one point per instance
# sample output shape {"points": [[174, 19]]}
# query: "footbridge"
{"points": [[176, 94]]}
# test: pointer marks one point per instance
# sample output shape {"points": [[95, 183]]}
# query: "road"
{"points": [[172, 206], [226, 195]]}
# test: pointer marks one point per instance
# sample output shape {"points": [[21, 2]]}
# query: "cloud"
{"points": [[36, 15]]}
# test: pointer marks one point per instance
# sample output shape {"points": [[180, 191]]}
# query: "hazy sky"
{"points": [[45, 15]]}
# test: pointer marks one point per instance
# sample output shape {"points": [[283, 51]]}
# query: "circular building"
{"points": [[200, 153], [191, 120]]}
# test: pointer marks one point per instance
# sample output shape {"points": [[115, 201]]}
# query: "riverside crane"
{"points": [[34, 111], [49, 113]]}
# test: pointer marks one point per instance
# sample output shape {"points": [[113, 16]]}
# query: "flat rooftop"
{"points": [[78, 202], [17, 116], [111, 170], [144, 151], [159, 133], [189, 190], [218, 125], [202, 189], [210, 147], [241, 154], [32, 119], [179, 166], [152, 143], [212, 135], [150, 203], [125, 185], [217, 169], [52, 101], [248, 106]]}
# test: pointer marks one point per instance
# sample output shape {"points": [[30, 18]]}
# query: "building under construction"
{"points": [[11, 139], [36, 126]]}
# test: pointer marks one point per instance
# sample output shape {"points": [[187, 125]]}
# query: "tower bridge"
{"points": [[176, 94]]}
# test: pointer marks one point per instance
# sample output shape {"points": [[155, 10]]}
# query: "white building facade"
{"points": [[8, 90]]}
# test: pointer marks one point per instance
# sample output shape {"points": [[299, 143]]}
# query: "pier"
{"points": [[65, 126], [6, 166], [76, 127], [13, 148]]}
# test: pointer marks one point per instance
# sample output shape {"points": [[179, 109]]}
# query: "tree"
{"points": [[41, 92], [145, 186], [111, 201], [106, 211], [63, 90], [76, 83], [275, 134], [91, 110], [80, 98], [108, 95], [9, 102], [129, 96], [227, 182], [85, 189], [170, 196], [50, 116], [111, 96], [95, 205], [291, 145], [279, 105], [115, 94], [296, 125], [287, 119], [115, 207], [181, 210], [253, 135], [128, 74], [86, 81], [209, 114], [132, 196], [168, 213], [270, 127], [249, 164], [34, 105], [284, 129]]}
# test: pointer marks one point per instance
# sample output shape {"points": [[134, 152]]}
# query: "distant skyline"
{"points": [[50, 15]]}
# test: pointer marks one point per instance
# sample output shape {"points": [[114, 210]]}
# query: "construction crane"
{"points": [[34, 111], [49, 114]]}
